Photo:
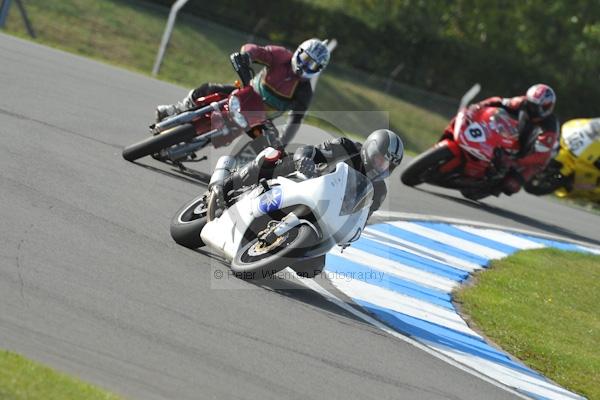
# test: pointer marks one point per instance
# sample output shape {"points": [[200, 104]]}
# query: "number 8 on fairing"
{"points": [[475, 133]]}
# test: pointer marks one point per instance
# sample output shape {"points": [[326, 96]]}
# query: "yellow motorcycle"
{"points": [[575, 171]]}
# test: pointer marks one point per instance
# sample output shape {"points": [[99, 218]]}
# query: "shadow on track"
{"points": [[292, 288], [189, 175], [523, 219]]}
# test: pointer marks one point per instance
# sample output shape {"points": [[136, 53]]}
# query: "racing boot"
{"points": [[167, 110], [512, 183]]}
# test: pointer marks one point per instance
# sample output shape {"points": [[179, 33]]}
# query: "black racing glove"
{"points": [[306, 166], [241, 64]]}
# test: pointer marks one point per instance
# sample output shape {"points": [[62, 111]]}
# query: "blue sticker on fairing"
{"points": [[270, 201]]}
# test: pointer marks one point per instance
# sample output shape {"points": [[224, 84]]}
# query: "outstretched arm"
{"points": [[511, 104], [331, 152], [258, 54]]}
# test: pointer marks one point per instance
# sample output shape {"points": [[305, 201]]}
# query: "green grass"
{"points": [[543, 306], [590, 206], [127, 33], [23, 379]]}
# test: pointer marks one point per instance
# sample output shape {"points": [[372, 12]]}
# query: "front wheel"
{"points": [[424, 168], [258, 259], [156, 143], [188, 222]]}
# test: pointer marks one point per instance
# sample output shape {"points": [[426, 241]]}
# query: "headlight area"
{"points": [[235, 112]]}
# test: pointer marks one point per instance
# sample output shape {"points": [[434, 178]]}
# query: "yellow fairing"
{"points": [[580, 155]]}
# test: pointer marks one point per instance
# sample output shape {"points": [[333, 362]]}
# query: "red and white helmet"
{"points": [[540, 100]]}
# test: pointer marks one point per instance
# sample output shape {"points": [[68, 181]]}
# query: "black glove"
{"points": [[241, 65], [306, 166], [525, 128], [271, 135]]}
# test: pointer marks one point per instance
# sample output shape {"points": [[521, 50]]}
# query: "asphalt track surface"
{"points": [[92, 284]]}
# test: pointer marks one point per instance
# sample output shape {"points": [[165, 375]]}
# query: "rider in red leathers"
{"points": [[534, 111], [283, 83]]}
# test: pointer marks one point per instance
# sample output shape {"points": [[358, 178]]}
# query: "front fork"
{"points": [[278, 229]]}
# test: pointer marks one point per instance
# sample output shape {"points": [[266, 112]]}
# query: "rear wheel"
{"points": [[188, 222], [544, 184], [548, 181], [156, 143], [257, 259], [424, 167]]}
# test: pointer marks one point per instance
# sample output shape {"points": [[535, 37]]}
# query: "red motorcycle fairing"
{"points": [[206, 122], [252, 106], [479, 132]]}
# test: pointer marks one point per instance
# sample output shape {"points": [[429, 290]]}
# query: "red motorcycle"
{"points": [[474, 158], [217, 118]]}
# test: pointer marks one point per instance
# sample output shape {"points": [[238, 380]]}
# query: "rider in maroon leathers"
{"points": [[283, 83], [533, 111]]}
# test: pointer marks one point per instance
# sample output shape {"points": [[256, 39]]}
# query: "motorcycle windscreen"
{"points": [[358, 193]]}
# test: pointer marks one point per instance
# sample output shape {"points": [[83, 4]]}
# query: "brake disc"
{"points": [[261, 247]]}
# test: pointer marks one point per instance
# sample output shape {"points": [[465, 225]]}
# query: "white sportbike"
{"points": [[288, 221]]}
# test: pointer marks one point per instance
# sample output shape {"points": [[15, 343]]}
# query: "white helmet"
{"points": [[310, 58]]}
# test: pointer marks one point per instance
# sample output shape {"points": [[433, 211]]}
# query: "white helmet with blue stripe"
{"points": [[310, 58]]}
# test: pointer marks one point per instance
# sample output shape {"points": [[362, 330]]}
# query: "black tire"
{"points": [[187, 223], [424, 166], [549, 180], [543, 185], [309, 268], [475, 194], [296, 241], [156, 143]]}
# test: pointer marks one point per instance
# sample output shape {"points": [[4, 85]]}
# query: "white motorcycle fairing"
{"points": [[339, 201]]}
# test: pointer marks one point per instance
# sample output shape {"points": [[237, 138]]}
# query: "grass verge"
{"points": [[127, 33], [543, 306], [22, 379]]}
